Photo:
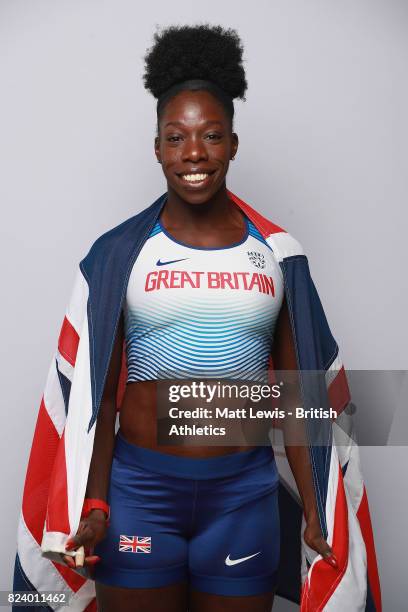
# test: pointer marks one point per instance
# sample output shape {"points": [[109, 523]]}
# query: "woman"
{"points": [[186, 504]]}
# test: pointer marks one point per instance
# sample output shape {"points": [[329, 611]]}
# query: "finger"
{"points": [[331, 560], [89, 553], [322, 547], [329, 556], [91, 560], [68, 560], [73, 542], [81, 538], [78, 540]]}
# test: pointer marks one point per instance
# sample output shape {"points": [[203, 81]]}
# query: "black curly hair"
{"points": [[196, 57]]}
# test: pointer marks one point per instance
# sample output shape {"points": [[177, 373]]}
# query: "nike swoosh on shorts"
{"points": [[229, 561]]}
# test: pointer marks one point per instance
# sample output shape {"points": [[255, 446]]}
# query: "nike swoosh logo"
{"points": [[229, 561], [164, 263]]}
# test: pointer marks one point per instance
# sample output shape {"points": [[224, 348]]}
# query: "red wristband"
{"points": [[95, 504]]}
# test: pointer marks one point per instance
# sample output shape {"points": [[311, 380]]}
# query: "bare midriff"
{"points": [[138, 424]]}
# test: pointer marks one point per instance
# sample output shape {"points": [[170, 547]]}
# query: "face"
{"points": [[195, 145]]}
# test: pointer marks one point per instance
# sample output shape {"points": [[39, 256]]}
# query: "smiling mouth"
{"points": [[195, 178]]}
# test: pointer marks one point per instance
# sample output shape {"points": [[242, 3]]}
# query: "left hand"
{"points": [[314, 539]]}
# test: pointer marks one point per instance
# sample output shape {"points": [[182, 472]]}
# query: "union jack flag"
{"points": [[135, 544]]}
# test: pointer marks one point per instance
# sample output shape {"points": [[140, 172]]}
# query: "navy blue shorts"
{"points": [[212, 521]]}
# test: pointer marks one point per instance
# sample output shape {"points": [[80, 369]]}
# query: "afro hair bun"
{"points": [[195, 52]]}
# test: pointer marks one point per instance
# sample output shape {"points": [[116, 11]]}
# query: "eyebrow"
{"points": [[181, 123]]}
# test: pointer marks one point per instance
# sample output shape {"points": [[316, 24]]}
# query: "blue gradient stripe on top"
{"points": [[239, 343]]}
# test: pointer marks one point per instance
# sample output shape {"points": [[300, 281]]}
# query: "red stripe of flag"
{"points": [[339, 392], [37, 482], [363, 515], [68, 341], [91, 607], [57, 509], [73, 580]]}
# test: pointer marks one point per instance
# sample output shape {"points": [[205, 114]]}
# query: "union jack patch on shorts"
{"points": [[135, 544]]}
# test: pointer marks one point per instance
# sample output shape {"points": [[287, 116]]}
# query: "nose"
{"points": [[194, 150]]}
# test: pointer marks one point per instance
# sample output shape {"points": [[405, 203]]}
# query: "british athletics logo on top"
{"points": [[135, 544]]}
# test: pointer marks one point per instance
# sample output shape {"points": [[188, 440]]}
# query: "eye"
{"points": [[174, 138], [214, 136]]}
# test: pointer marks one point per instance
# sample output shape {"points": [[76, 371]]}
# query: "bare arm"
{"points": [[296, 447], [101, 462]]}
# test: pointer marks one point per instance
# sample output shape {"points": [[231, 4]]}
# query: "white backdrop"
{"points": [[323, 152]]}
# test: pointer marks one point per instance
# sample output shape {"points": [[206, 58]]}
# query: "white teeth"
{"points": [[194, 178]]}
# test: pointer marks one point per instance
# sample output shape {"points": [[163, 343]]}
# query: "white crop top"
{"points": [[196, 312]]}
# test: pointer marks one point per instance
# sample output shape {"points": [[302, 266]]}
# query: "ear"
{"points": [[157, 149], [235, 143]]}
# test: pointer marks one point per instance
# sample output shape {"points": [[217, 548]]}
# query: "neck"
{"points": [[219, 210]]}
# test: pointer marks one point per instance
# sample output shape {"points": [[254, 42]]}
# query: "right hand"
{"points": [[91, 531]]}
